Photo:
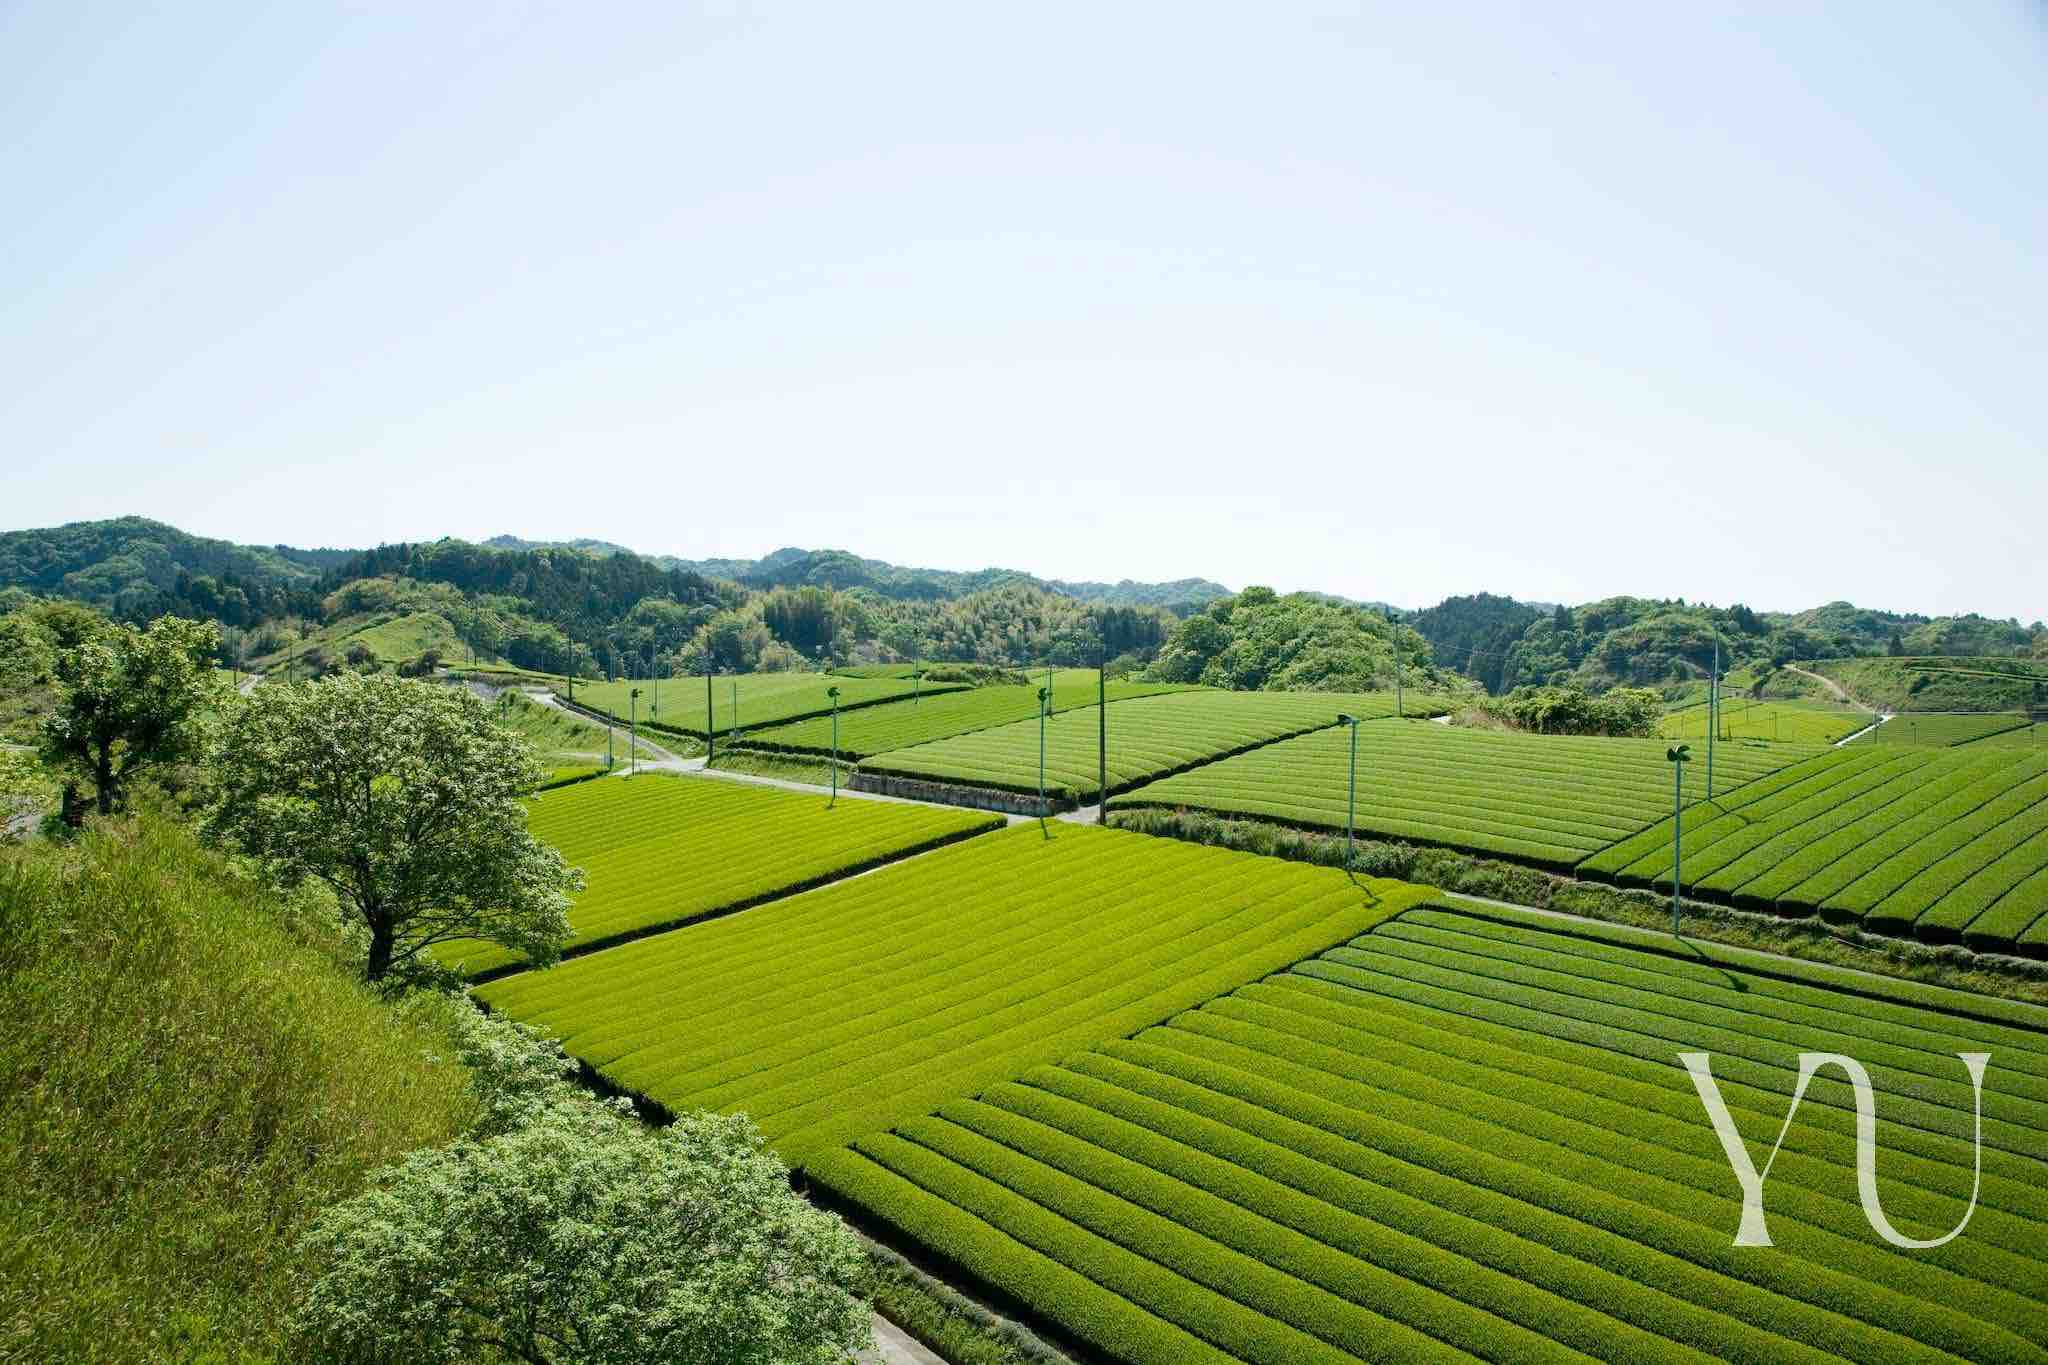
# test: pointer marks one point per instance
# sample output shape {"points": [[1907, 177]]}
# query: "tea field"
{"points": [[1149, 737], [1945, 844], [840, 1011], [1945, 729], [1772, 720], [1548, 799], [1466, 1134], [742, 701], [658, 851], [899, 725]]}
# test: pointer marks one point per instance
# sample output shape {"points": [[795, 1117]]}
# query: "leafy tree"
{"points": [[1896, 646], [405, 798], [131, 699], [562, 1229]]}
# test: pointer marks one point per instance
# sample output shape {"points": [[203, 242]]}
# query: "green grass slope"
{"points": [[845, 1009], [900, 724], [1944, 729], [1148, 738], [1549, 799], [1942, 684], [189, 1077], [1771, 720], [1466, 1135]]}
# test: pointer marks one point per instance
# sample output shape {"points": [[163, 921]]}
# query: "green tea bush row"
{"points": [[883, 729], [842, 1010], [1148, 738], [659, 851], [1545, 799]]}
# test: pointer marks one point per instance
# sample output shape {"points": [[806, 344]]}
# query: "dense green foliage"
{"points": [[1907, 684], [1475, 634], [137, 570], [658, 850], [405, 799], [843, 1010], [1148, 738], [1943, 844], [839, 570], [1742, 718], [561, 1230], [128, 701], [1623, 712], [1464, 1135], [1302, 642], [1545, 799], [191, 1075], [743, 701], [883, 729]]}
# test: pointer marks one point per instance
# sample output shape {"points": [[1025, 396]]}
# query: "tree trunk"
{"points": [[103, 780], [381, 940]]}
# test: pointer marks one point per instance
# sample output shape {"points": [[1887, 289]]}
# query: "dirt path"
{"points": [[894, 1346], [653, 756], [1841, 693]]}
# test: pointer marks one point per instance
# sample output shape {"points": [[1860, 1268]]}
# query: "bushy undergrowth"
{"points": [[959, 1329], [1812, 938], [190, 1076], [816, 770]]}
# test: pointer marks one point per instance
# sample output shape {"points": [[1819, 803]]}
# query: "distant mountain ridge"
{"points": [[842, 570]]}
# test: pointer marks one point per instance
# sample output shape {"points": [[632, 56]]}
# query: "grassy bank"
{"points": [[191, 1074]]}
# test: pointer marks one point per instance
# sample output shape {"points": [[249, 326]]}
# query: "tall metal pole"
{"points": [[1679, 758], [1351, 799], [1713, 714], [1102, 732], [833, 693], [710, 716], [633, 731], [1400, 711], [1044, 695]]}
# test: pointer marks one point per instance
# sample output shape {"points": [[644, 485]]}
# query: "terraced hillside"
{"points": [[659, 851], [762, 699], [843, 1010], [900, 724], [1467, 1134], [1945, 844], [1549, 799], [1148, 737]]}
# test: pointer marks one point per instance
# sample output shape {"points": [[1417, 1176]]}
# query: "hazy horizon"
{"points": [[1717, 304]]}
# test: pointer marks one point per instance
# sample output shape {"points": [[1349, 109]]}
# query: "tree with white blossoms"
{"points": [[407, 799], [562, 1229]]}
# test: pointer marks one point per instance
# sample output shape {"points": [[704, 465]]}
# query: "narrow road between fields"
{"points": [[894, 1346], [1841, 694]]}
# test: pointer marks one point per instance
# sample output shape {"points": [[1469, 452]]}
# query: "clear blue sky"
{"points": [[1563, 301]]}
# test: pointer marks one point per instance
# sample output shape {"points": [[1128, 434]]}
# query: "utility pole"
{"points": [[1102, 730], [734, 713], [633, 731], [710, 716], [833, 694], [1713, 715], [1679, 757], [1044, 698], [1351, 800]]}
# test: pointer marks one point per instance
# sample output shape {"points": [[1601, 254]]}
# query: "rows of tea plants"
{"points": [[658, 850], [1945, 844], [843, 1010], [1148, 738], [1548, 799], [1772, 720], [903, 723], [1466, 1134], [1946, 729], [741, 701]]}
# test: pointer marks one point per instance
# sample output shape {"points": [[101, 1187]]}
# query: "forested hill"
{"points": [[135, 568], [1650, 642]]}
